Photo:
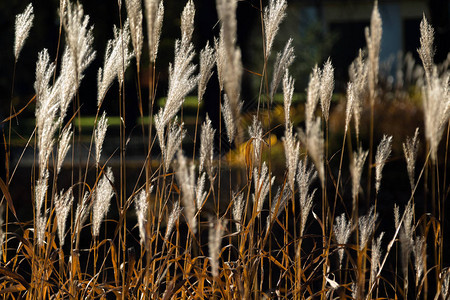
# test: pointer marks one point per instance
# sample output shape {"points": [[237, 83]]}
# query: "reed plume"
{"points": [[383, 152], [24, 22], [274, 14]]}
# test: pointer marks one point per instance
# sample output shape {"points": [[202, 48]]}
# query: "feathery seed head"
{"points": [[154, 14], [373, 39], [82, 212], [207, 61], [350, 105], [274, 14], [231, 116], [282, 63], [410, 149], [238, 209], [263, 182], [63, 204], [216, 229], [141, 206], [326, 88], [366, 227], [186, 179], [313, 140], [103, 194], [117, 59], [256, 135], [173, 218], [426, 50], [79, 37], [200, 193], [64, 146], [134, 10], [342, 231], [24, 22], [436, 108], [305, 176], [99, 136], [383, 152], [207, 147], [292, 152], [187, 22], [219, 45], [288, 92], [356, 169], [419, 250], [312, 96], [376, 256], [174, 139], [278, 204]]}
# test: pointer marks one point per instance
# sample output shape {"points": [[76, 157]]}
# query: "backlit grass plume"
{"points": [[24, 22]]}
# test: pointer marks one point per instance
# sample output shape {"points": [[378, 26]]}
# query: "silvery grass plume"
{"points": [[373, 39], [181, 78], [383, 152], [24, 22], [426, 50], [278, 204], [40, 191], [238, 209], [306, 206], [313, 140], [186, 179], [356, 169], [207, 61], [366, 227], [405, 234], [141, 206], [134, 10], [263, 181], [207, 148], [200, 193], [436, 108], [230, 117], [410, 149], [154, 13], [219, 46], [375, 257], [173, 218], [117, 58], [326, 88], [187, 23], [216, 229], [419, 250], [103, 194], [174, 139], [99, 136], [342, 231], [46, 109], [64, 146], [63, 204], [292, 152], [350, 105], [79, 37], [358, 73], [282, 63], [232, 71], [445, 283], [312, 96], [82, 212], [288, 92], [274, 14], [305, 176], [67, 83], [41, 223], [256, 137]]}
